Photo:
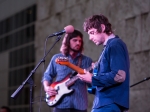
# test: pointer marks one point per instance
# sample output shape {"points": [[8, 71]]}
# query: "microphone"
{"points": [[67, 29]]}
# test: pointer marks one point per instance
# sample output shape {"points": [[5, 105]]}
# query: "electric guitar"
{"points": [[62, 87], [64, 61]]}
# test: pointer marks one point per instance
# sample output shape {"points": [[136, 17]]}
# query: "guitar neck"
{"points": [[72, 81], [76, 68]]}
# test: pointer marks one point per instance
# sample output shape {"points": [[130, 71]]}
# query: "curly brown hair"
{"points": [[65, 47], [95, 21]]}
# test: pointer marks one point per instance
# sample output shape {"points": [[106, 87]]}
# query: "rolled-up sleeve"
{"points": [[50, 71]]}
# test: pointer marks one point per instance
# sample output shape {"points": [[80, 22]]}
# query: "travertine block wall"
{"points": [[130, 20]]}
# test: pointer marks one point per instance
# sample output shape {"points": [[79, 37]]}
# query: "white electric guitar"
{"points": [[62, 86]]}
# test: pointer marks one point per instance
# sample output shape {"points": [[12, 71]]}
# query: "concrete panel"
{"points": [[10, 7], [3, 97], [3, 79], [4, 61], [131, 33], [139, 65], [137, 45], [145, 33], [140, 100], [43, 9]]}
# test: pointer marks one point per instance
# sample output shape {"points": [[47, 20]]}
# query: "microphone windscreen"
{"points": [[69, 29]]}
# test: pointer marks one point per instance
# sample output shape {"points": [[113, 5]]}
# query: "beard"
{"points": [[74, 50]]}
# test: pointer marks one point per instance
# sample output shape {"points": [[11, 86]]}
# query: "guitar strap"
{"points": [[79, 60], [101, 55], [103, 51], [96, 68]]}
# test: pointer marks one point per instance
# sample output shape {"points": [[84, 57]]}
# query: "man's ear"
{"points": [[103, 27]]}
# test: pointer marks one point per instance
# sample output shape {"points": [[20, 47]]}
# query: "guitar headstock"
{"points": [[62, 60]]}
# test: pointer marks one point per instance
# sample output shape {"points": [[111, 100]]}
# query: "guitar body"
{"points": [[91, 89], [61, 88]]}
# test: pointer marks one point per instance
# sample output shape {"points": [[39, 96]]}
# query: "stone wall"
{"points": [[130, 20]]}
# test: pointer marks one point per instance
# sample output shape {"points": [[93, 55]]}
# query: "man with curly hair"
{"points": [[110, 85]]}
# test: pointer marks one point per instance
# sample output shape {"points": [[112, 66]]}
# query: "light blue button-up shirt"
{"points": [[78, 99]]}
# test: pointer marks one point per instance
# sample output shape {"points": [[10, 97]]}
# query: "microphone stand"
{"points": [[29, 79], [145, 79]]}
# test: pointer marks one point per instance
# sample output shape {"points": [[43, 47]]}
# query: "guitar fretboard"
{"points": [[71, 81]]}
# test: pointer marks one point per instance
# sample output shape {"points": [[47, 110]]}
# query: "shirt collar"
{"points": [[109, 37]]}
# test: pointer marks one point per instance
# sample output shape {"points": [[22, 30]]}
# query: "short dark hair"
{"points": [[66, 42], [95, 21], [6, 108]]}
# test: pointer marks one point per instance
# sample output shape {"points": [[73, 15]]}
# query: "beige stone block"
{"points": [[140, 100], [4, 59], [135, 7], [119, 28], [4, 79], [139, 6], [3, 97], [43, 9], [76, 16], [137, 44], [57, 6], [70, 3], [86, 8], [145, 33], [115, 10], [71, 15], [66, 18], [133, 28], [130, 33], [139, 69], [100, 6], [45, 28]]}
